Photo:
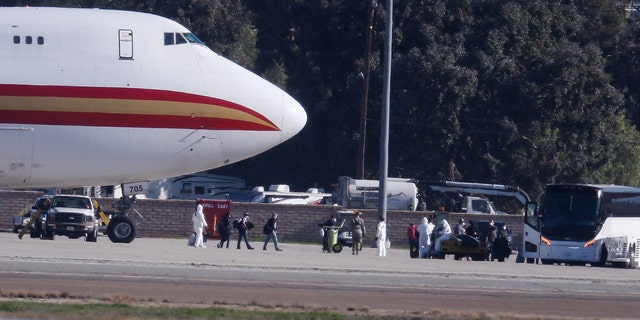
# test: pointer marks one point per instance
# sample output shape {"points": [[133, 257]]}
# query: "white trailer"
{"points": [[402, 194]]}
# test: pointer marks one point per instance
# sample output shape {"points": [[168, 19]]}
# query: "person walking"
{"points": [[270, 229], [199, 223], [358, 231], [243, 226], [224, 229], [381, 237], [413, 240]]}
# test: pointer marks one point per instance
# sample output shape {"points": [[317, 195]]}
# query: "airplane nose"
{"points": [[294, 117]]}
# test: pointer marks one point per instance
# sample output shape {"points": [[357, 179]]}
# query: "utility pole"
{"points": [[386, 101], [365, 92]]}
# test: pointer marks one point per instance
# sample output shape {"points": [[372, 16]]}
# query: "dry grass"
{"points": [[61, 305]]}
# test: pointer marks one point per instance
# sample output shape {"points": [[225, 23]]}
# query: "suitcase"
{"points": [[192, 240]]}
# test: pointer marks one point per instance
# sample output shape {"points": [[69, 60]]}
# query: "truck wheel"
{"points": [[47, 233], [92, 236], [121, 230], [36, 230]]}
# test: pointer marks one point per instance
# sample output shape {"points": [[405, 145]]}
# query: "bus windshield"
{"points": [[570, 214]]}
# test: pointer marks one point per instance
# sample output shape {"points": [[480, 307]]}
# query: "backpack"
{"points": [[236, 224], [267, 228]]}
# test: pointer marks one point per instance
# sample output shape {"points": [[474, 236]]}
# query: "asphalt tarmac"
{"points": [[302, 276]]}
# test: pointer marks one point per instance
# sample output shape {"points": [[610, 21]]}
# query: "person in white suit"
{"points": [[425, 229], [445, 235], [381, 237], [199, 223]]}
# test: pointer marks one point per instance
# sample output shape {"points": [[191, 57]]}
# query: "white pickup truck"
{"points": [[73, 216]]}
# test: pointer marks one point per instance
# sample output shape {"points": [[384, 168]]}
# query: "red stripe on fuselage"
{"points": [[93, 119], [141, 120]]}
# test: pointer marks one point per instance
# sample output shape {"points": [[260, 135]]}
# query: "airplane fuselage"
{"points": [[97, 97]]}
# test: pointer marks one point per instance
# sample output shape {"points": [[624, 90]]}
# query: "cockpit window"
{"points": [[168, 38], [180, 39], [192, 38], [171, 38]]}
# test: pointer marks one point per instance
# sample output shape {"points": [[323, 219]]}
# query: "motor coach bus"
{"points": [[579, 224]]}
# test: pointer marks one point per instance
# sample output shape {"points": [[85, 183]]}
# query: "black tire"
{"points": [[92, 236], [47, 233], [603, 257], [36, 229], [546, 261], [337, 248], [121, 230], [477, 257], [632, 258]]}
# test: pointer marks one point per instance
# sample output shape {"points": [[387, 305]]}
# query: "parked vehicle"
{"points": [[402, 194], [72, 216]]}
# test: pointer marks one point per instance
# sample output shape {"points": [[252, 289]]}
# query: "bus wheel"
{"points": [[603, 257], [546, 261]]}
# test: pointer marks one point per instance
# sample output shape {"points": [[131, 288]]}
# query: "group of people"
{"points": [[358, 232], [225, 227], [421, 238]]}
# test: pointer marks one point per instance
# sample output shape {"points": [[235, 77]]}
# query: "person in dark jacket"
{"points": [[332, 222], [243, 226], [224, 229], [270, 230], [413, 240]]}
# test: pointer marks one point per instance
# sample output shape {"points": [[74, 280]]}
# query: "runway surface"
{"points": [[168, 271]]}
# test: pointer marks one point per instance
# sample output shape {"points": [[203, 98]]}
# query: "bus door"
{"points": [[531, 233]]}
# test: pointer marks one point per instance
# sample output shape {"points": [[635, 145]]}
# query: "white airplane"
{"points": [[105, 97]]}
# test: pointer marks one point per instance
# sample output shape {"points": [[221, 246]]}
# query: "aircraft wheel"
{"points": [[121, 230], [337, 248]]}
